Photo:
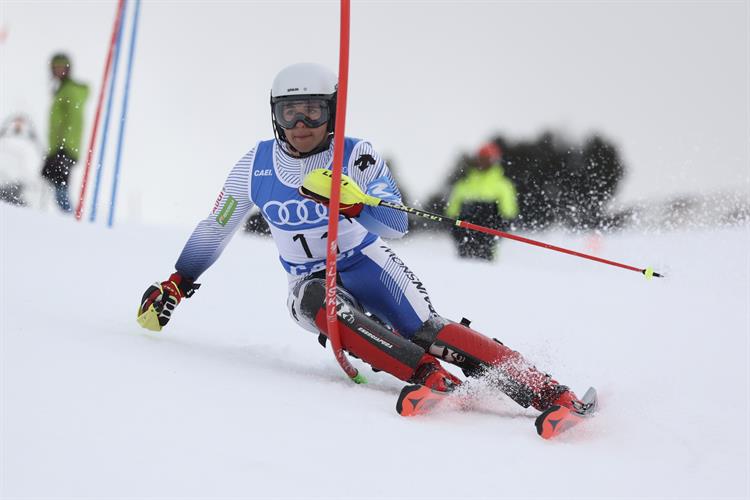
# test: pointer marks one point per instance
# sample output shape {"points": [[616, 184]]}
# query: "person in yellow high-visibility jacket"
{"points": [[486, 197], [66, 118]]}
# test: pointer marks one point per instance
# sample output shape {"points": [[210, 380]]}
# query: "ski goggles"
{"points": [[312, 112]]}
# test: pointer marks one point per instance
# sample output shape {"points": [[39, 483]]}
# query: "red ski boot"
{"points": [[430, 373], [431, 382]]}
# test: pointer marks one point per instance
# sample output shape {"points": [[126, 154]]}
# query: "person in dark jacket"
{"points": [[65, 129]]}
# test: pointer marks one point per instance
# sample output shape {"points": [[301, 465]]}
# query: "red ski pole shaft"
{"points": [[333, 207], [92, 140], [648, 272]]}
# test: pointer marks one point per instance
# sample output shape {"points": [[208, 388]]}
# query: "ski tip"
{"points": [[555, 420], [407, 400], [540, 421], [417, 400], [359, 379]]}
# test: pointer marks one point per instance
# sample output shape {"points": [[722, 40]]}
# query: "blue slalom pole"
{"points": [[123, 117], [105, 132]]}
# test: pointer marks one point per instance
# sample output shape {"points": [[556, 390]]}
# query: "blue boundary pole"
{"points": [[105, 131], [124, 114]]}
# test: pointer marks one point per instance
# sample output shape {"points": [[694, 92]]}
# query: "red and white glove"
{"points": [[160, 300]]}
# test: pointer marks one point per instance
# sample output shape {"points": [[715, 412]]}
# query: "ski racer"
{"points": [[385, 315]]}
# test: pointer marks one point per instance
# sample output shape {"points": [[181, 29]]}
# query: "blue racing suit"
{"points": [[371, 272]]}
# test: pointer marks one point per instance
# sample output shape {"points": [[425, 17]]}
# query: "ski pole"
{"points": [[319, 181], [648, 272]]}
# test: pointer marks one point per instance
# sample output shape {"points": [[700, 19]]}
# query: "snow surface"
{"points": [[233, 400]]}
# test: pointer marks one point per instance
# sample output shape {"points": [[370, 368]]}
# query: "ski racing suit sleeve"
{"points": [[368, 169], [215, 231]]}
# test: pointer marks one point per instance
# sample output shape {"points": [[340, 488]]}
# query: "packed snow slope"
{"points": [[233, 400]]}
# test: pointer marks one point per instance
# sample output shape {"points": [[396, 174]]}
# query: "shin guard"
{"points": [[476, 355], [365, 338]]}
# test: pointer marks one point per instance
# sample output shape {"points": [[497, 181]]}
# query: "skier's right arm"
{"points": [[204, 246]]}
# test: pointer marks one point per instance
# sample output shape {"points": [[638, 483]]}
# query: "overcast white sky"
{"points": [[666, 81]]}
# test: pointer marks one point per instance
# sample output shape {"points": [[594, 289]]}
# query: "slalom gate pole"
{"points": [[333, 206], [647, 272], [124, 113], [92, 140], [107, 113]]}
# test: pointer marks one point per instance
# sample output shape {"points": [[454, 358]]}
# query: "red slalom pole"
{"points": [[333, 206], [105, 78]]}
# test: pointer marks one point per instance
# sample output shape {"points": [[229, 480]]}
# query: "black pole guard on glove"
{"points": [[160, 300]]}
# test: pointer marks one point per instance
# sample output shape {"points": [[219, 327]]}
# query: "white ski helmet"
{"points": [[304, 82]]}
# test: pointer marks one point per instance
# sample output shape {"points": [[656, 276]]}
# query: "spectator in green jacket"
{"points": [[65, 129], [486, 197]]}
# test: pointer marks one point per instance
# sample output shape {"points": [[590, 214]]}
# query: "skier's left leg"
{"points": [[478, 355], [386, 287]]}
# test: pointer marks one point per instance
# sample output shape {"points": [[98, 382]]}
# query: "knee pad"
{"points": [[307, 296], [361, 336]]}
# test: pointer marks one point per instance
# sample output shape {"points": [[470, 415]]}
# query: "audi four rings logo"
{"points": [[294, 212]]}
